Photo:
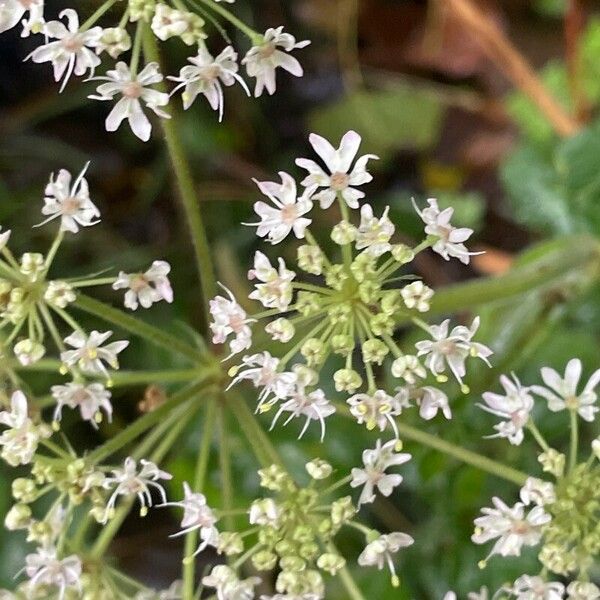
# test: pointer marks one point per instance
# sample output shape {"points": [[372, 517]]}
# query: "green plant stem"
{"points": [[144, 423], [347, 580], [253, 35], [97, 15], [172, 130], [539, 438], [153, 334], [574, 439], [191, 538], [225, 468]]}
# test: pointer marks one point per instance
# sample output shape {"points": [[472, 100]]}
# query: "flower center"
{"points": [[70, 205], [138, 283], [210, 73], [267, 50], [72, 43], [572, 402], [132, 90], [339, 181], [520, 527], [27, 3], [289, 213]]}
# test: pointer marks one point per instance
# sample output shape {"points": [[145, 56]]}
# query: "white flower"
{"points": [[287, 215], [563, 390], [127, 481], [133, 89], [44, 568], [314, 406], [373, 475], [71, 52], [374, 234], [114, 41], [417, 295], [20, 441], [342, 178], [376, 410], [452, 349], [89, 354], [228, 585], [275, 291], [262, 60], [450, 242], [29, 351], [379, 552], [170, 22], [430, 401], [515, 406], [90, 399], [264, 512], [262, 370], [281, 329], [69, 202], [59, 293], [537, 491], [408, 368], [533, 587], [230, 318], [197, 515], [146, 288], [206, 75], [13, 11], [511, 528], [582, 590]]}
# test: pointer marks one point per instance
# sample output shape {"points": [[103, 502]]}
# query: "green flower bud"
{"points": [[364, 266], [342, 510], [24, 490], [264, 560], [292, 563], [340, 313], [285, 548], [342, 344], [274, 478], [269, 536], [369, 291], [347, 380], [309, 550], [314, 351], [303, 534], [336, 277], [310, 259], [552, 462], [331, 563], [319, 469], [402, 253], [381, 324], [308, 303], [281, 330], [230, 543], [141, 9], [374, 351], [343, 233], [18, 517], [409, 368], [59, 293], [391, 302]]}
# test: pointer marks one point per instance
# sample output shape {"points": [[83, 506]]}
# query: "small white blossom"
{"points": [[133, 89], [409, 368], [533, 587], [275, 289], [127, 481], [197, 515], [510, 527], [89, 399], [342, 178], [69, 202], [380, 552], [281, 330], [450, 239], [515, 406], [45, 568], [582, 590], [264, 512], [114, 41], [59, 293], [89, 354], [278, 221], [206, 75], [170, 22], [452, 349], [430, 401], [417, 295], [146, 288], [230, 318], [228, 585], [29, 351], [373, 475], [262, 60], [537, 491], [374, 234], [13, 11], [563, 390], [71, 52], [376, 410]]}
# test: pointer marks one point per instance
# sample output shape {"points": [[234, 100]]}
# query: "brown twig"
{"points": [[513, 64]]}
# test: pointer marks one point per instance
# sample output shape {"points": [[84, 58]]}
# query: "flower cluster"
{"points": [[560, 517], [75, 48], [343, 314]]}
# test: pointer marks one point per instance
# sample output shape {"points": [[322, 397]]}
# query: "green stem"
{"points": [[574, 440], [172, 129], [153, 334], [348, 582], [225, 468], [346, 248], [253, 35], [539, 438], [191, 538], [97, 15]]}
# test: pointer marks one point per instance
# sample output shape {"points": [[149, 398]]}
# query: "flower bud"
{"points": [[319, 469], [281, 330], [32, 264], [409, 368], [308, 303], [274, 478], [343, 233], [29, 351], [59, 293], [374, 351], [331, 563], [336, 276], [314, 351], [342, 510], [114, 41], [347, 380], [264, 512], [24, 490], [402, 253], [230, 543], [417, 295], [369, 291], [18, 517], [310, 259], [381, 324], [342, 344], [340, 313], [264, 560]]}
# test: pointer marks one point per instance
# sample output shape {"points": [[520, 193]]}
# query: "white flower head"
{"points": [[374, 234], [262, 60], [510, 527], [146, 288], [170, 22], [534, 587], [69, 201], [45, 568], [228, 585], [452, 349], [380, 552], [537, 491], [341, 177], [376, 410], [287, 214], [515, 406], [450, 239], [230, 318], [134, 90], [207, 75], [114, 41], [373, 474], [562, 393], [89, 399], [13, 11], [275, 289], [197, 515], [582, 590], [417, 295], [71, 51], [128, 481], [90, 354]]}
